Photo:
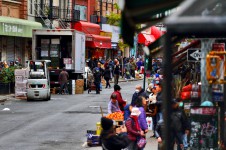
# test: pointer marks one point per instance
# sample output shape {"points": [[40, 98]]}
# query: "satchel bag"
{"points": [[141, 142]]}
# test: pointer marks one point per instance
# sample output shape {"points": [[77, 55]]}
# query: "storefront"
{"points": [[96, 44], [15, 39]]}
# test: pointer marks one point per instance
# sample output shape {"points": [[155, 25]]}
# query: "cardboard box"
{"points": [[18, 78], [21, 84], [20, 72]]}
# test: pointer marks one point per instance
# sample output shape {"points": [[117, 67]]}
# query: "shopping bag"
{"points": [[141, 142], [150, 123]]}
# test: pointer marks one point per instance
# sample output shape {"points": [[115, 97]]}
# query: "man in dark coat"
{"points": [[179, 124], [138, 92], [97, 73], [63, 79]]}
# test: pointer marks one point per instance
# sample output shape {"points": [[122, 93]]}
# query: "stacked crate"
{"points": [[21, 76], [79, 88]]}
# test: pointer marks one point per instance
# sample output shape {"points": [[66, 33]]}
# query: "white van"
{"points": [[38, 84]]}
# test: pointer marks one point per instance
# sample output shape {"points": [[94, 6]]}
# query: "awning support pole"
{"points": [[206, 88]]}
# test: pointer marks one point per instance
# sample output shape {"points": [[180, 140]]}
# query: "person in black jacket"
{"points": [[159, 133], [159, 101], [109, 139], [97, 73], [179, 124], [107, 76], [138, 92]]}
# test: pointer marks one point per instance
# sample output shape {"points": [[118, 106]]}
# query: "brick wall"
{"points": [[23, 10], [0, 7]]}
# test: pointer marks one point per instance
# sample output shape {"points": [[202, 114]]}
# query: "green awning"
{"points": [[17, 27]]}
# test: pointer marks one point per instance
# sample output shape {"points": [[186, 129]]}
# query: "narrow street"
{"points": [[60, 123]]}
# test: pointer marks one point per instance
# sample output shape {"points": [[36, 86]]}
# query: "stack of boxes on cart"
{"points": [[21, 76]]}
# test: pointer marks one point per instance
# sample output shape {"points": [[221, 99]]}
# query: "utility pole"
{"points": [[101, 4], [51, 13]]}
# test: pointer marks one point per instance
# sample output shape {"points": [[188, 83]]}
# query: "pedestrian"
{"points": [[141, 103], [107, 76], [139, 91], [113, 104], [159, 133], [180, 126], [133, 128], [139, 64], [109, 139], [121, 102], [63, 79], [133, 67], [116, 71], [97, 74], [159, 101], [149, 90], [127, 69]]}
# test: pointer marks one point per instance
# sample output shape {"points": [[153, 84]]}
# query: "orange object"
{"points": [[212, 67], [116, 116]]}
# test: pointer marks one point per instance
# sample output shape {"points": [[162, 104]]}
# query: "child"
{"points": [[113, 104]]}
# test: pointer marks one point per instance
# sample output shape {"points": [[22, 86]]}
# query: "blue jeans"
{"points": [[185, 140], [159, 116], [64, 87]]}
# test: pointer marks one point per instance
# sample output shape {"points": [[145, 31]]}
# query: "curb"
{"points": [[127, 80]]}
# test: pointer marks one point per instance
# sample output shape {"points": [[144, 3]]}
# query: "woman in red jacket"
{"points": [[121, 102], [133, 128]]}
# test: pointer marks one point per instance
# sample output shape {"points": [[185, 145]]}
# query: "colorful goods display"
{"points": [[115, 116]]}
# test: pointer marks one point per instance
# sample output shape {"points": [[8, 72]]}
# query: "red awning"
{"points": [[145, 39], [97, 41], [87, 28]]}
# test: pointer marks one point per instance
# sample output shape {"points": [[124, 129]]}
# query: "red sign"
{"points": [[219, 47]]}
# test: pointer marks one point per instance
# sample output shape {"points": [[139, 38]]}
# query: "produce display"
{"points": [[115, 116]]}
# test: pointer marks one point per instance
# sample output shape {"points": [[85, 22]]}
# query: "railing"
{"points": [[68, 15]]}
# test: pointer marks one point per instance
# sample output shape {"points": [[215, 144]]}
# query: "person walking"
{"points": [[107, 76], [127, 69], [141, 103], [159, 133], [133, 67], [97, 73], [133, 128], [63, 79], [113, 104], [180, 126], [116, 71], [111, 140], [121, 102]]}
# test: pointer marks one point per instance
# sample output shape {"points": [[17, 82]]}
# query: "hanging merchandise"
{"points": [[190, 95], [192, 87]]}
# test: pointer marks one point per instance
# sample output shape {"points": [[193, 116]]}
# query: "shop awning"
{"points": [[145, 39], [147, 12], [97, 41], [17, 27], [87, 28]]}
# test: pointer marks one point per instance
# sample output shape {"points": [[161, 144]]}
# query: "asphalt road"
{"points": [[58, 124]]}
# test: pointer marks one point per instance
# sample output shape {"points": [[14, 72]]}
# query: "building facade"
{"points": [[15, 31]]}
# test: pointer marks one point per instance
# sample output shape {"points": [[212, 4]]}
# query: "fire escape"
{"points": [[64, 14]]}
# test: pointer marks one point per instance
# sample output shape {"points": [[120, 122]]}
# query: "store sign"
{"points": [[12, 28], [107, 34], [194, 55], [89, 39], [21, 28], [83, 12], [115, 31]]}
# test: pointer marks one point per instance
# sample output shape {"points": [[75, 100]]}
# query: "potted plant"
{"points": [[7, 80]]}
